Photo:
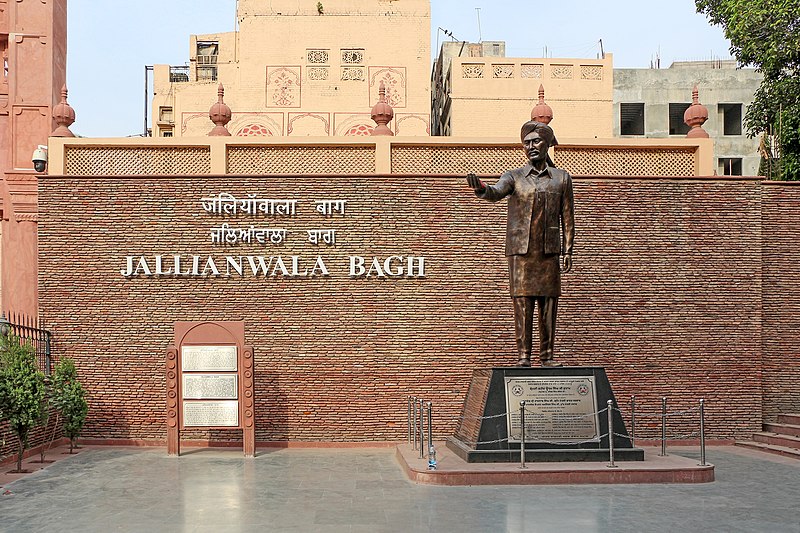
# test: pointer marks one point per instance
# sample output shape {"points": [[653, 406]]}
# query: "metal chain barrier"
{"points": [[653, 439], [702, 433], [657, 414], [505, 439], [568, 443], [558, 443], [670, 437], [431, 451], [609, 410], [409, 418], [664, 415], [421, 409], [669, 414], [684, 436], [416, 430], [575, 417], [482, 417]]}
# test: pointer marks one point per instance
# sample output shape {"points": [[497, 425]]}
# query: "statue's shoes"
{"points": [[551, 364], [524, 362]]}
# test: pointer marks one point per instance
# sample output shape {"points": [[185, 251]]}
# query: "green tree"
{"points": [[766, 34], [22, 390], [49, 407], [45, 420], [69, 397]]}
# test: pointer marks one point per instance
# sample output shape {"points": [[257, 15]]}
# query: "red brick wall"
{"points": [[665, 293], [670, 299], [781, 298]]}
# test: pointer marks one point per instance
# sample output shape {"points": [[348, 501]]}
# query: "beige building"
{"points": [[296, 69], [651, 102], [478, 92], [315, 70]]}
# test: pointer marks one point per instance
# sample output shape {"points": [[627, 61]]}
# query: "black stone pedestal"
{"points": [[483, 433]]}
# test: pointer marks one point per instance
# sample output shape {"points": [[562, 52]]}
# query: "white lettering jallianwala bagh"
{"points": [[289, 266], [269, 266]]}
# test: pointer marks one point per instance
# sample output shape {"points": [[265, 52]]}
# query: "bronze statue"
{"points": [[540, 213]]}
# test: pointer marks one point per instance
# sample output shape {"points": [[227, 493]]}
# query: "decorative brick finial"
{"points": [[382, 113], [695, 116], [64, 116], [220, 115], [542, 112]]}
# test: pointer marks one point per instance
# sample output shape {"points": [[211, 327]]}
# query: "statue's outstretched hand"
{"points": [[475, 182]]}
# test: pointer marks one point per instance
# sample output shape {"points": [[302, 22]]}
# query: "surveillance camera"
{"points": [[40, 158]]}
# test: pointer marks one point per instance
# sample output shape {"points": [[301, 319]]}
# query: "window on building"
{"points": [[207, 48], [165, 114], [4, 53], [207, 72], [207, 54], [676, 124], [179, 74], [731, 118], [631, 119], [729, 166], [166, 132]]}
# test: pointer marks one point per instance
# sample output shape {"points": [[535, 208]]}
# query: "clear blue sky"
{"points": [[109, 43]]}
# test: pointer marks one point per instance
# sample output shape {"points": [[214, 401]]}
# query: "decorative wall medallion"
{"points": [[283, 86]]}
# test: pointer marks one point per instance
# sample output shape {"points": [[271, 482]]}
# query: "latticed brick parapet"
{"points": [[410, 159], [629, 161], [301, 159], [440, 155], [132, 160]]}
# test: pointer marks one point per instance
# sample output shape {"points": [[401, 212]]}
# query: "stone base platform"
{"points": [[452, 470], [541, 455]]}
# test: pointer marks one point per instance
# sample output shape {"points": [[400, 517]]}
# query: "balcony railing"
{"points": [[207, 60]]}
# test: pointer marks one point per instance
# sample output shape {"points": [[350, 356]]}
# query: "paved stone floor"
{"points": [[341, 490]]}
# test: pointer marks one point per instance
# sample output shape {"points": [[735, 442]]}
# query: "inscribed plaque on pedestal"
{"points": [[558, 409]]}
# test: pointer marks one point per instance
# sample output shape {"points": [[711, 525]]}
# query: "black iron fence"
{"points": [[30, 331]]}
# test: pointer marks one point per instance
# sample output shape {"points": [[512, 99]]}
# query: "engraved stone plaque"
{"points": [[558, 409], [211, 386], [209, 359], [206, 414]]}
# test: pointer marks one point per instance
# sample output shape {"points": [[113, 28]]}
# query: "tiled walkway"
{"points": [[341, 490]]}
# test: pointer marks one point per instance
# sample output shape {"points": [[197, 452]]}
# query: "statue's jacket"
{"points": [[552, 192]]}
